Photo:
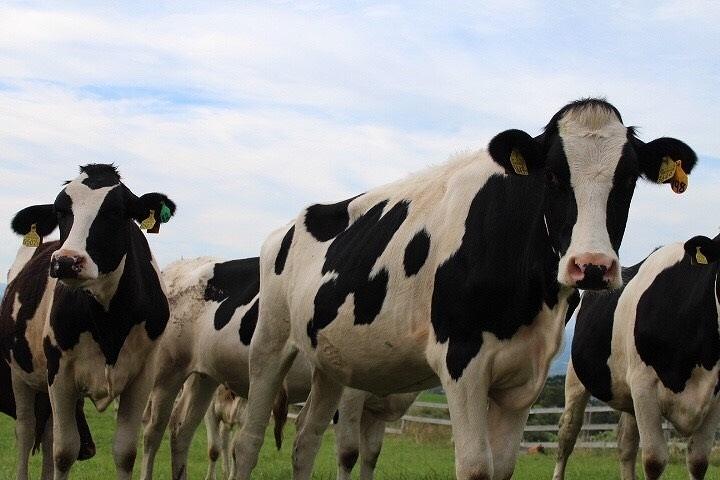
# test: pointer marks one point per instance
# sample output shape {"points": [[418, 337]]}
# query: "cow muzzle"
{"points": [[593, 271], [68, 266]]}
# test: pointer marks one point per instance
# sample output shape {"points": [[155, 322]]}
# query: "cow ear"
{"points": [[517, 152], [162, 207], [702, 250], [42, 216], [666, 160]]}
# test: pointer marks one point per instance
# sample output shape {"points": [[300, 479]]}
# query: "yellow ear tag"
{"points": [[149, 222], [32, 239], [680, 180], [667, 170], [518, 163], [699, 257]]}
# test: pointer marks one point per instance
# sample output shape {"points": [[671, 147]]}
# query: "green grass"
{"points": [[404, 457]]}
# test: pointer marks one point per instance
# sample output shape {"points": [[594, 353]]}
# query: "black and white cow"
{"points": [[213, 312], [652, 351], [459, 275], [84, 313]]}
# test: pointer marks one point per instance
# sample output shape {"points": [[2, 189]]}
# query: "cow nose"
{"points": [[65, 266], [592, 270]]}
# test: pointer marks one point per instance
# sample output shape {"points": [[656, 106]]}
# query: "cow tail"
{"points": [[43, 411], [280, 412]]}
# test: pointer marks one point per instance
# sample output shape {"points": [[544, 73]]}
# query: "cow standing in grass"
{"points": [[460, 275], [652, 351], [213, 311], [83, 315]]}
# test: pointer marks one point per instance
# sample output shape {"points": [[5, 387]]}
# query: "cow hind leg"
{"points": [[576, 398], [324, 397], [701, 443], [505, 430], [47, 453], [372, 432], [214, 441], [347, 431], [628, 439], [187, 415], [649, 421], [25, 424]]}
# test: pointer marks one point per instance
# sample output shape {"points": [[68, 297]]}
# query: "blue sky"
{"points": [[244, 112]]}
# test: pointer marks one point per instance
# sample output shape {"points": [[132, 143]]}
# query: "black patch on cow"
{"points": [[52, 356], [326, 221], [7, 399], [592, 339], [138, 299], [416, 253], [233, 284], [573, 302], [352, 255], [248, 323], [284, 249], [29, 287], [106, 241], [621, 193], [676, 325], [100, 175], [502, 273]]}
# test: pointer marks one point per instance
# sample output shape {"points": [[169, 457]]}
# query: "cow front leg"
{"points": [[324, 397], [701, 442], [47, 453], [652, 440], [66, 438], [24, 424], [372, 433], [187, 415], [214, 441], [129, 421], [505, 430], [571, 420], [628, 440], [160, 406], [347, 431]]}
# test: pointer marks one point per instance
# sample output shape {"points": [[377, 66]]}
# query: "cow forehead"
{"points": [[84, 196]]}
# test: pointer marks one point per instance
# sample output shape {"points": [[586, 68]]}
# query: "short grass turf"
{"points": [[404, 457]]}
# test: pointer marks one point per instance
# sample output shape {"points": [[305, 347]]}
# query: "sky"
{"points": [[245, 112]]}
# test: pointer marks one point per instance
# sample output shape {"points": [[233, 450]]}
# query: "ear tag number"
{"points": [[680, 180], [699, 257], [32, 239], [667, 170], [518, 163], [149, 222]]}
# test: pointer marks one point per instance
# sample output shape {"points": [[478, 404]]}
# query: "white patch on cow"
{"points": [[593, 139], [86, 204], [23, 256], [104, 287]]}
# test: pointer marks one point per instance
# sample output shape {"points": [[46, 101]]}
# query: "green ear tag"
{"points": [[32, 239], [165, 213], [518, 163], [149, 222], [699, 257]]}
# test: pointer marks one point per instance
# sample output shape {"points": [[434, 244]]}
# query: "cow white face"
{"points": [[589, 163], [95, 214]]}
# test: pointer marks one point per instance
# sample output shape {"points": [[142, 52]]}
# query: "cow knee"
{"points": [[63, 461], [654, 467], [697, 468], [348, 458], [126, 462], [372, 459]]}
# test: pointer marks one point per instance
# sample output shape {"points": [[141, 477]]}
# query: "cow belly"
{"points": [[687, 410]]}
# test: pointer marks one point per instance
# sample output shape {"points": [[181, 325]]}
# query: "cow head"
{"points": [[703, 250], [589, 163], [95, 214]]}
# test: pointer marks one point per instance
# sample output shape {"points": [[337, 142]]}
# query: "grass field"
{"points": [[413, 456]]}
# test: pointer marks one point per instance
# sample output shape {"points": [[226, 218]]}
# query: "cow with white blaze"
{"points": [[213, 312], [651, 351], [459, 275], [84, 314]]}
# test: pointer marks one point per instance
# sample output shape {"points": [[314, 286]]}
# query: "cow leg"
{"points": [[24, 424], [187, 415], [225, 431], [129, 421], [372, 432], [576, 398], [652, 440], [324, 397], [47, 453], [628, 440], [701, 442], [468, 405], [66, 437], [347, 431], [214, 441], [505, 430], [167, 385]]}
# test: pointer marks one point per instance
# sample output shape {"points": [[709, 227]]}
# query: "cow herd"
{"points": [[463, 275]]}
